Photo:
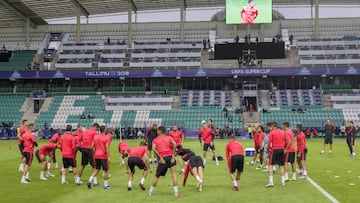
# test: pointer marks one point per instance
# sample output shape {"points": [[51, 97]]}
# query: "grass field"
{"points": [[332, 172]]}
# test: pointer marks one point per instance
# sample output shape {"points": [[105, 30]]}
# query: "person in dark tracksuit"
{"points": [[350, 137]]}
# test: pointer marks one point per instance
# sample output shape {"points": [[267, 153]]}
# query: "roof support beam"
{"points": [[317, 18], [182, 19], [130, 33], [81, 7], [134, 7], [18, 13]]}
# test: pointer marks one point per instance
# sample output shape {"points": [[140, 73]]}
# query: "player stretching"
{"points": [[86, 150], [149, 137], [195, 166], [328, 139], [101, 145], [235, 160], [29, 143], [124, 151], [276, 146], [138, 157], [68, 151], [20, 135], [54, 139], [41, 154], [350, 137], [290, 153], [164, 147], [301, 150], [249, 13], [205, 134]]}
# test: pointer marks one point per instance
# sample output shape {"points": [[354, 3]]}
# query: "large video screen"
{"points": [[248, 11]]}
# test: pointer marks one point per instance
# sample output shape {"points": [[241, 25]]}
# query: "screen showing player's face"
{"points": [[251, 4], [249, 13]]}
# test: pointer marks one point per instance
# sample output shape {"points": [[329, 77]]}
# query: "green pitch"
{"points": [[332, 172]]}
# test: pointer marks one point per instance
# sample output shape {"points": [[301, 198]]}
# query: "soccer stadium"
{"points": [[273, 84]]}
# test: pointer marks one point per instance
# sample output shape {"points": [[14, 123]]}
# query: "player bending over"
{"points": [[68, 151], [301, 150], [195, 166], [124, 150], [29, 143], [54, 139], [164, 147], [276, 147], [101, 146], [139, 156], [41, 154], [205, 135], [235, 160]]}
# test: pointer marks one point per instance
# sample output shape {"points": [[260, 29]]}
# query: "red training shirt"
{"points": [[277, 140], [47, 149], [206, 135], [138, 151], [109, 138], [22, 132], [301, 141], [67, 146], [88, 138], [163, 145], [100, 143], [290, 135], [78, 137], [256, 138], [55, 138], [29, 140], [261, 138], [177, 136], [233, 148], [248, 15], [124, 147]]}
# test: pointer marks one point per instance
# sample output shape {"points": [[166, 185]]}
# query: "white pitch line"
{"points": [[323, 191]]}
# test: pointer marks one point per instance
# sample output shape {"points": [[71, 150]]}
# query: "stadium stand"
{"points": [[314, 116], [19, 61], [166, 54], [16, 40], [295, 97], [330, 52], [206, 98], [10, 108]]}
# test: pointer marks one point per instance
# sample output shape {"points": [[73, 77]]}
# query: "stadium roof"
{"points": [[16, 12]]}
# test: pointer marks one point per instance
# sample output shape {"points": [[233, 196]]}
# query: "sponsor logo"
{"points": [[107, 73], [250, 71]]}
